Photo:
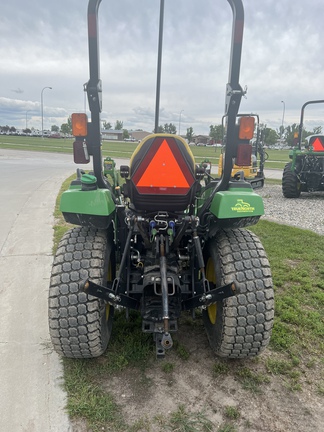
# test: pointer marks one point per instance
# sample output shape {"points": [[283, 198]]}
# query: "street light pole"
{"points": [[42, 109], [283, 117], [26, 118], [180, 120]]}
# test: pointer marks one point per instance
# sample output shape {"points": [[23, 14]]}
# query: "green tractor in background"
{"points": [[305, 172], [169, 239]]}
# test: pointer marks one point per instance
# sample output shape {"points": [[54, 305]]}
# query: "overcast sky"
{"points": [[44, 43]]}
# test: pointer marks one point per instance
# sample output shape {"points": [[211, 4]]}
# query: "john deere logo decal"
{"points": [[242, 207]]}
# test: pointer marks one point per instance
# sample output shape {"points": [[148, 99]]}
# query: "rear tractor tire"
{"points": [[239, 326], [291, 186], [80, 325]]}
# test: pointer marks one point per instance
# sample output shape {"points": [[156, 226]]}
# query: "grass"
{"points": [[220, 368], [129, 345], [298, 333], [167, 367], [277, 158], [181, 350], [87, 400], [295, 355], [250, 381], [184, 421], [232, 413], [296, 260]]}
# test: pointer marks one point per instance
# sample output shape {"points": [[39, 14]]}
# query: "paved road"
{"points": [[31, 398], [273, 174]]}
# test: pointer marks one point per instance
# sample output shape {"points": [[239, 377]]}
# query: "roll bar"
{"points": [[301, 123], [159, 65], [94, 92], [234, 91]]}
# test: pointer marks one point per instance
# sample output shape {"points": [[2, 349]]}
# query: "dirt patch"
{"points": [[292, 263], [206, 384]]}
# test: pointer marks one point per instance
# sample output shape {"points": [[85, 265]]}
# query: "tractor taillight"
{"points": [[80, 152], [244, 154], [246, 131], [79, 124]]}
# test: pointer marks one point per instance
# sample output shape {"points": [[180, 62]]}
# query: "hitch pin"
{"points": [[205, 297], [114, 297]]}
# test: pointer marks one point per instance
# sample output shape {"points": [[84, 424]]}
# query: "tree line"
{"points": [[269, 136]]}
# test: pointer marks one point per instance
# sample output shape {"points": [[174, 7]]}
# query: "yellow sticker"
{"points": [[242, 207]]}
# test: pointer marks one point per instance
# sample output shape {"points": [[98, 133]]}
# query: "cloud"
{"points": [[45, 44], [18, 110], [18, 90]]}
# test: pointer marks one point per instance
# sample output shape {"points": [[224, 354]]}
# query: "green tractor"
{"points": [[169, 240], [305, 172]]}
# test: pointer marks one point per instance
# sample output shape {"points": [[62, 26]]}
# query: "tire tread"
{"points": [[244, 326], [76, 321]]}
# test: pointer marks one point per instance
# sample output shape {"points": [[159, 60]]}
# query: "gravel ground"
{"points": [[306, 212]]}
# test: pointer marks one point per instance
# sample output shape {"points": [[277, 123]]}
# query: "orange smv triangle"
{"points": [[163, 170], [318, 145]]}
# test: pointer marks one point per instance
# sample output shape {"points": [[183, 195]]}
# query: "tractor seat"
{"points": [[162, 174]]}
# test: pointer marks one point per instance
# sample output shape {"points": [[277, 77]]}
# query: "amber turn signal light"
{"points": [[79, 125], [246, 131]]}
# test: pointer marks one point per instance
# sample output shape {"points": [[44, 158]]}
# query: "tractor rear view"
{"points": [[170, 239], [305, 172]]}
